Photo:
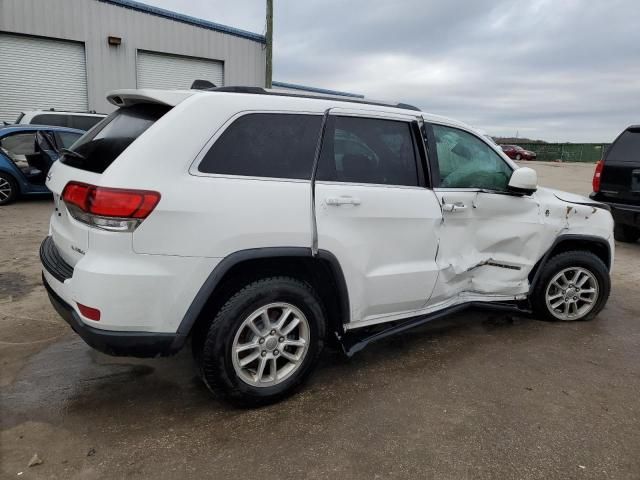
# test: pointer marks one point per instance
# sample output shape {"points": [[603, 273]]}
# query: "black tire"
{"points": [[215, 359], [518, 157], [626, 233], [9, 182], [556, 264]]}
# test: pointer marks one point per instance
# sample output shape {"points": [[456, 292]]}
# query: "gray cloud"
{"points": [[551, 69]]}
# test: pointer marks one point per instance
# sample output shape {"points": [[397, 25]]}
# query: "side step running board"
{"points": [[353, 341]]}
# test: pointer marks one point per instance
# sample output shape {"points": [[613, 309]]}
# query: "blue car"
{"points": [[26, 155]]}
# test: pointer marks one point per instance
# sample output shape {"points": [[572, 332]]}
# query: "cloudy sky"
{"points": [[558, 70]]}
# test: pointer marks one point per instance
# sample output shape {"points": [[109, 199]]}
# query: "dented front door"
{"points": [[490, 238], [489, 242]]}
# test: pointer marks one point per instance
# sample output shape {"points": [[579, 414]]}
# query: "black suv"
{"points": [[616, 182]]}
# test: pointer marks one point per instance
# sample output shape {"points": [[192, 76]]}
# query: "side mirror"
{"points": [[523, 180]]}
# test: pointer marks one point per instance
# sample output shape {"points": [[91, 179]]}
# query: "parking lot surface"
{"points": [[478, 395]]}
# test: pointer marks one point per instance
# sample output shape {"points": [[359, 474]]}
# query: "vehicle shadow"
{"points": [[69, 382]]}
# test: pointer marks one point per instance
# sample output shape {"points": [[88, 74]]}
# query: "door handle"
{"points": [[344, 200], [453, 207]]}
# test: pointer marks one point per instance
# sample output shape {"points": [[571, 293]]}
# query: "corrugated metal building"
{"points": [[59, 54]]}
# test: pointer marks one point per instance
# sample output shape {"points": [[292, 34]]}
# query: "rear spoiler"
{"points": [[128, 97]]}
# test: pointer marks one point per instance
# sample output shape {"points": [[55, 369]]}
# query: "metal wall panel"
{"points": [[159, 70], [31, 76], [110, 67]]}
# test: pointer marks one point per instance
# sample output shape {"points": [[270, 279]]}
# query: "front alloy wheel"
{"points": [[8, 189], [572, 293], [572, 285]]}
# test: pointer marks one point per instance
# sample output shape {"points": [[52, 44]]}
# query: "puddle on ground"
{"points": [[68, 378], [14, 285]]}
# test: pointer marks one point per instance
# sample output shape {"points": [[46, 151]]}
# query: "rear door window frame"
{"points": [[421, 154]]}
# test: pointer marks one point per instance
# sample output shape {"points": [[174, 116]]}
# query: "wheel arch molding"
{"points": [[599, 246], [322, 271]]}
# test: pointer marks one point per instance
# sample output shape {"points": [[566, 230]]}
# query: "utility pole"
{"points": [[269, 69]]}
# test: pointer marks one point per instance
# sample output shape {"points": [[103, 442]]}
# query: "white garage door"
{"points": [[159, 70], [41, 73]]}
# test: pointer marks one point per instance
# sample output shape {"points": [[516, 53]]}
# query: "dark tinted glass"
{"points": [[82, 122], [626, 148], [51, 119], [265, 145], [98, 148], [367, 150], [66, 139]]}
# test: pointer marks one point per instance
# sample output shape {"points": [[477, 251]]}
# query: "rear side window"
{"points": [[626, 148], [97, 149], [53, 119], [368, 150], [276, 145], [83, 122]]}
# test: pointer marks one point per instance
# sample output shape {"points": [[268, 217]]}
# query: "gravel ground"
{"points": [[478, 395]]}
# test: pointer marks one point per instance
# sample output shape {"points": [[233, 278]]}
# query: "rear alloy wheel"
{"points": [[572, 286], [626, 233], [263, 343], [8, 189], [271, 344], [518, 157]]}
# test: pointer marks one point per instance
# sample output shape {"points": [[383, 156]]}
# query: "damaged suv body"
{"points": [[260, 225]]}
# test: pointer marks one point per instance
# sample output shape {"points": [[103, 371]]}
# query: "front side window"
{"points": [[23, 150], [368, 150], [465, 161], [275, 145], [19, 145]]}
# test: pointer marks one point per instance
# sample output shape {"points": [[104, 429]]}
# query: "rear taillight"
{"points": [[596, 176], [114, 209]]}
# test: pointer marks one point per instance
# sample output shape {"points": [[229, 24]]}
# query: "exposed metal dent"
{"points": [[491, 262]]}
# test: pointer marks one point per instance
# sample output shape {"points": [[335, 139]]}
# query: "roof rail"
{"points": [[304, 88], [263, 91]]}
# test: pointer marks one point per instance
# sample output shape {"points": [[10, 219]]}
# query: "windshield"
{"points": [[100, 146]]}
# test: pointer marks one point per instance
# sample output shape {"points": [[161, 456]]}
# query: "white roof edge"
{"points": [[130, 96]]}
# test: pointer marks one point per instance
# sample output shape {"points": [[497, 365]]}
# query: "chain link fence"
{"points": [[567, 152]]}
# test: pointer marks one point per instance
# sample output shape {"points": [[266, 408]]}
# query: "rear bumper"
{"points": [[621, 212], [111, 342]]}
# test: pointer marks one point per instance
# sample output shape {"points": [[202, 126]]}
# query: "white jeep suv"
{"points": [[262, 224]]}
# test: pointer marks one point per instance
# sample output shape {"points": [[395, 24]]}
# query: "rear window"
{"points": [[97, 149], [53, 119], [275, 145], [626, 148], [83, 122], [66, 139]]}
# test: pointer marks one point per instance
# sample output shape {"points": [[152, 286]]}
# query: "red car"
{"points": [[518, 153]]}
